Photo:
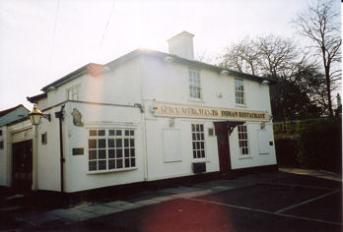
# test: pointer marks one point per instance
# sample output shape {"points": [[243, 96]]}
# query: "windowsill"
{"points": [[241, 105], [172, 161], [110, 171], [245, 157], [200, 161], [265, 153]]}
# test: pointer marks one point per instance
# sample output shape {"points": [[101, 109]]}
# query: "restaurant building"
{"points": [[149, 116]]}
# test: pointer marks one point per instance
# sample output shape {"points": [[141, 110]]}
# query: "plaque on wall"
{"points": [[78, 151]]}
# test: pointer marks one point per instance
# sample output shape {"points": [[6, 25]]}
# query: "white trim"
{"points": [[110, 171]]}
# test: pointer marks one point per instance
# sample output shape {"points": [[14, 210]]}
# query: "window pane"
{"points": [[102, 154], [111, 164], [110, 142], [127, 132], [92, 165], [127, 163], [92, 143], [111, 153], [102, 164], [132, 152], [92, 133], [118, 132], [101, 143], [132, 142], [119, 163], [126, 142], [119, 153], [92, 154], [111, 132], [101, 132], [119, 142], [133, 162], [132, 132], [127, 152]]}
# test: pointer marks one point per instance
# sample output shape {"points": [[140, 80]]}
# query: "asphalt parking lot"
{"points": [[264, 202]]}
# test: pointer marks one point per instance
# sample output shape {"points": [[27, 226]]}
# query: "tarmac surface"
{"points": [[260, 202]]}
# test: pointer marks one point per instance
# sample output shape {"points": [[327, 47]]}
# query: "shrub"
{"points": [[286, 150], [320, 146]]}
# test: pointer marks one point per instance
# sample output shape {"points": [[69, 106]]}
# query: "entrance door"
{"points": [[224, 152], [22, 165], [223, 131]]}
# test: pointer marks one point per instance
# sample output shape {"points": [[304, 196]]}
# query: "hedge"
{"points": [[316, 146]]}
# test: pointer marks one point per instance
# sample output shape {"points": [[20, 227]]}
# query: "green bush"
{"points": [[318, 145], [321, 146], [286, 150]]}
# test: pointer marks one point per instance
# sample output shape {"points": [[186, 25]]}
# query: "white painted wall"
{"points": [[169, 82], [158, 168], [254, 158], [77, 176], [119, 85]]}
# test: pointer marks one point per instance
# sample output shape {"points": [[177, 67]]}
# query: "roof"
{"points": [[37, 97], [13, 114], [4, 112], [96, 68]]}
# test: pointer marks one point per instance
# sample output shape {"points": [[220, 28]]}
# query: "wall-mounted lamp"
{"points": [[265, 82], [224, 72], [36, 115]]}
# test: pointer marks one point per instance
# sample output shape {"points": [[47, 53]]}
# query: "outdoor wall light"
{"points": [[265, 82], [36, 115], [224, 72]]}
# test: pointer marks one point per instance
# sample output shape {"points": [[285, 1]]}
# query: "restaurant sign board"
{"points": [[161, 109]]}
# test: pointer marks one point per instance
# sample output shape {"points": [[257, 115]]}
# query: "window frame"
{"points": [[73, 91], [238, 91], [196, 143], [112, 156], [194, 84], [243, 137]]}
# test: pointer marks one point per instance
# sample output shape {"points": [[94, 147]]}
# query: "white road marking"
{"points": [[297, 185], [305, 202], [266, 212]]}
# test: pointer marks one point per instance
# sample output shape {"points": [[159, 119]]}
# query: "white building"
{"points": [[149, 116]]}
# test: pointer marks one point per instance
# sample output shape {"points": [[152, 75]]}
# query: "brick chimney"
{"points": [[182, 45]]}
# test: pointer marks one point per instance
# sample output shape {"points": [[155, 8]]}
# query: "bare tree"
{"points": [[268, 55], [242, 56], [277, 56], [320, 24]]}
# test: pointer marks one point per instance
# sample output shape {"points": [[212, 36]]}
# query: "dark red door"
{"points": [[223, 131], [22, 165], [224, 152]]}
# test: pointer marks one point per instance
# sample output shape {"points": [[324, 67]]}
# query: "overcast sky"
{"points": [[42, 41]]}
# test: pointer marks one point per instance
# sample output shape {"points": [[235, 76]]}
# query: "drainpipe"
{"points": [[60, 116]]}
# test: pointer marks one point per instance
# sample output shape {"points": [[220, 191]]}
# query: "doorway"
{"points": [[223, 132], [22, 166]]}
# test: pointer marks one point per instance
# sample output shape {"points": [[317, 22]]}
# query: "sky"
{"points": [[42, 41]]}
